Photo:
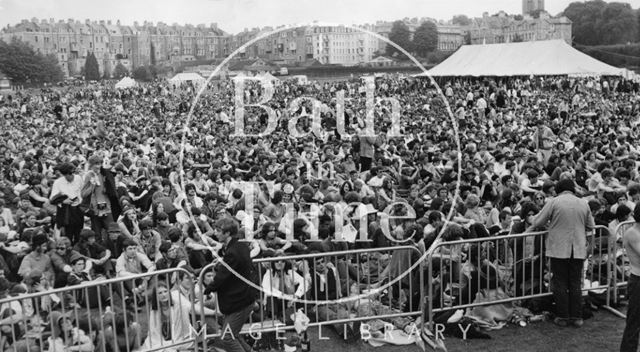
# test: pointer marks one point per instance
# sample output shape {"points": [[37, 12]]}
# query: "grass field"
{"points": [[602, 333]]}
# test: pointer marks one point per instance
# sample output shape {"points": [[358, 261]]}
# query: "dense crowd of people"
{"points": [[99, 183]]}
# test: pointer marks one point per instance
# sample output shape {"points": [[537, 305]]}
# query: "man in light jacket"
{"points": [[569, 219]]}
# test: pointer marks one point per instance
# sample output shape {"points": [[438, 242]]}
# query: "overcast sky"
{"points": [[235, 15]]}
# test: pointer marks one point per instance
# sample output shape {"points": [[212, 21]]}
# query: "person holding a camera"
{"points": [[97, 191]]}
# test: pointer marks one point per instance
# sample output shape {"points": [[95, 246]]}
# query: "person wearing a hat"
{"points": [[38, 259], [69, 216], [569, 218]]}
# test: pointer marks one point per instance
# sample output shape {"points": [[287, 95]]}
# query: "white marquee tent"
{"points": [[538, 58], [186, 77], [126, 82]]}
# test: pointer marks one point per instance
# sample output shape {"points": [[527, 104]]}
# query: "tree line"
{"points": [[24, 66], [597, 22], [424, 41]]}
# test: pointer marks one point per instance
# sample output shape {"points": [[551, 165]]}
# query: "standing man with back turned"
{"points": [[569, 219], [235, 296], [631, 241]]}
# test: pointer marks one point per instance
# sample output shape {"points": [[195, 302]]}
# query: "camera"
{"points": [[102, 206]]}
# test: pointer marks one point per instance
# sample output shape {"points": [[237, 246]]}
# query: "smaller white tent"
{"points": [[126, 82], [270, 77], [187, 77]]}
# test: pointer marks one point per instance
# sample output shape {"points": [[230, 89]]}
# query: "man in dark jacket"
{"points": [[235, 296], [99, 196]]}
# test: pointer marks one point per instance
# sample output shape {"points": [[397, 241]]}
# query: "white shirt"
{"points": [[71, 189]]}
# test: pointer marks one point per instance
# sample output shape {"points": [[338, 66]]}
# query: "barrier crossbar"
{"points": [[361, 285], [617, 271], [118, 314], [478, 272]]}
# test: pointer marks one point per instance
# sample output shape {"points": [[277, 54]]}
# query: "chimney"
{"points": [[101, 23], [109, 22], [135, 23]]}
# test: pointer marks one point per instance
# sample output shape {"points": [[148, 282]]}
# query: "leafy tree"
{"points": [[619, 24], [401, 36], [425, 39], [91, 68], [23, 65], [120, 71], [142, 74], [461, 20], [599, 23], [51, 69]]}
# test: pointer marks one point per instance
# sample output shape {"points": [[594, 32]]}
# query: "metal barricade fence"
{"points": [[618, 259], [151, 312], [492, 270], [362, 284]]}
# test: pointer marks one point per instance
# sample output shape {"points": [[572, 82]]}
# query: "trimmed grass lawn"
{"points": [[602, 333]]}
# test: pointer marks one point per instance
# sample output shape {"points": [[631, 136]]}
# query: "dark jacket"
{"points": [[329, 293], [233, 293], [110, 190], [110, 187]]}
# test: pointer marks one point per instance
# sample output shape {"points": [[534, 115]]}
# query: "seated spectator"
{"points": [[60, 259], [148, 239], [89, 247], [65, 334], [270, 244], [38, 259], [132, 262], [169, 320]]}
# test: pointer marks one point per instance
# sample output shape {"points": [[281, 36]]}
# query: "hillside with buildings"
{"points": [[147, 43]]}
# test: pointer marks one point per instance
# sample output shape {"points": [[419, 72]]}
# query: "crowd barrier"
{"points": [[377, 288], [618, 262], [486, 271], [123, 314]]}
